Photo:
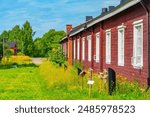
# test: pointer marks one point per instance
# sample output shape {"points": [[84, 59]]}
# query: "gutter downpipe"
{"points": [[148, 42]]}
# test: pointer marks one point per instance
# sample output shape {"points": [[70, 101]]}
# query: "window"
{"points": [[121, 45], [74, 49], [137, 59], [89, 38], [83, 48], [78, 57], [108, 46], [97, 47]]}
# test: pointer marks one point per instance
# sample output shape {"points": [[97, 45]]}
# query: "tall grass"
{"points": [[66, 84], [58, 77]]}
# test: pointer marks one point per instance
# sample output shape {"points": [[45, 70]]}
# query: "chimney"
{"points": [[88, 18], [68, 28], [104, 10], [111, 8], [123, 1]]}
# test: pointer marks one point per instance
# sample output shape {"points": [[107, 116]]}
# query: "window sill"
{"points": [[121, 65], [137, 67], [97, 61], [108, 63]]}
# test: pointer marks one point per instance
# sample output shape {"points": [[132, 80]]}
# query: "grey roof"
{"points": [[102, 17], [118, 9], [11, 44], [63, 39]]}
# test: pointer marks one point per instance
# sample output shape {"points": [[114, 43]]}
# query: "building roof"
{"points": [[102, 17], [105, 16], [11, 44], [63, 39]]}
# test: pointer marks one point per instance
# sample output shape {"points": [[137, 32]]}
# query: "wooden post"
{"points": [[82, 74], [82, 83], [90, 84]]}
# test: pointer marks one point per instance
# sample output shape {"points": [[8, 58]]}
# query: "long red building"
{"points": [[119, 39]]}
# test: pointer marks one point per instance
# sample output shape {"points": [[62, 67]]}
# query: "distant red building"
{"points": [[119, 39], [12, 46]]}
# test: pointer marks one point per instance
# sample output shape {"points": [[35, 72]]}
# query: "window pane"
{"points": [[89, 48], [138, 44], [139, 51], [138, 60], [78, 49], [83, 48], [120, 46], [97, 47], [108, 47], [74, 49]]}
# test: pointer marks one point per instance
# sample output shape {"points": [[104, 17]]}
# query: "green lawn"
{"points": [[27, 83], [21, 83]]}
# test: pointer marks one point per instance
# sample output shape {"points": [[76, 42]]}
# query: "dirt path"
{"points": [[38, 61]]}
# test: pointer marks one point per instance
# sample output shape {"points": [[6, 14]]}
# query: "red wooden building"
{"points": [[119, 39]]}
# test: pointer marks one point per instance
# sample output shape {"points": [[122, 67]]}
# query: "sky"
{"points": [[49, 14]]}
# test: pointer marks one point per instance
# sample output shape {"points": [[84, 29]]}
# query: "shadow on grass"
{"points": [[15, 65]]}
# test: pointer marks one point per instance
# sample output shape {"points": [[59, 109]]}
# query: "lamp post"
{"points": [[3, 44]]}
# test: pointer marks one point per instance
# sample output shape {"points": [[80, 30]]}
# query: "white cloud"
{"points": [[47, 14]]}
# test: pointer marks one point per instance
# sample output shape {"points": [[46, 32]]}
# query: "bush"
{"points": [[57, 56], [18, 60], [78, 64], [8, 53], [20, 54]]}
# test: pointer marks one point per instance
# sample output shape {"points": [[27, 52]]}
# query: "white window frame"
{"points": [[97, 47], [89, 38], [135, 56], [108, 47], [83, 48], [121, 45], [74, 49], [78, 51]]}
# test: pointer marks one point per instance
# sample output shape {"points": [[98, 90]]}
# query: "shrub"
{"points": [[18, 60], [78, 64], [56, 55], [8, 53], [20, 54]]}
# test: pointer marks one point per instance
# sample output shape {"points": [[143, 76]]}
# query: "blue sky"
{"points": [[49, 14]]}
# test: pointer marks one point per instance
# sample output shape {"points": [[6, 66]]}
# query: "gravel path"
{"points": [[37, 61]]}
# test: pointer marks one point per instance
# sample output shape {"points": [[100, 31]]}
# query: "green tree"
{"points": [[27, 41], [50, 40], [3, 38], [38, 47], [16, 35]]}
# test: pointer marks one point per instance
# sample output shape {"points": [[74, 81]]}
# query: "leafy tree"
{"points": [[38, 48], [50, 40], [16, 35], [27, 40], [3, 38]]}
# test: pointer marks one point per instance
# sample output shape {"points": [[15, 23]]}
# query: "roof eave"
{"points": [[115, 12], [63, 39]]}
